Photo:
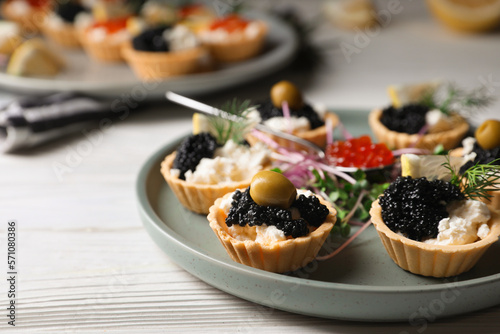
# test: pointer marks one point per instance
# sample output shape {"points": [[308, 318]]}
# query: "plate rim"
{"points": [[149, 213]]}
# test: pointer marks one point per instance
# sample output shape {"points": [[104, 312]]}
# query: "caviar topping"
{"points": [[151, 40], [482, 157], [244, 211], [359, 152], [68, 11], [267, 110], [230, 23], [409, 118], [192, 150], [414, 207], [112, 26]]}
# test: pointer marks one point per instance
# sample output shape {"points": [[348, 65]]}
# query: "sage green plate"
{"points": [[361, 283]]}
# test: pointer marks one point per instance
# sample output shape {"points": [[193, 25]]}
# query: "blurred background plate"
{"points": [[110, 80]]}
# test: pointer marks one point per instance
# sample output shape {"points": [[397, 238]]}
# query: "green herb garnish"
{"points": [[477, 181], [226, 129], [352, 201], [457, 100]]}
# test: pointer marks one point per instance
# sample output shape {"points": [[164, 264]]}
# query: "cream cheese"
{"points": [[180, 38], [252, 30], [466, 223], [231, 163]]}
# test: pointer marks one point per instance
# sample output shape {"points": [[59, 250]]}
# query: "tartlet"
{"points": [[449, 137], [194, 196], [30, 15], [59, 25], [433, 260], [103, 41], [152, 64], [232, 38], [279, 256]]}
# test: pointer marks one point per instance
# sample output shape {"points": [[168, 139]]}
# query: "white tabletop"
{"points": [[85, 262]]}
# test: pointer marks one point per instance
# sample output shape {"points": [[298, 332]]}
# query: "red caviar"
{"points": [[359, 152], [188, 10], [112, 25], [37, 3], [230, 23]]}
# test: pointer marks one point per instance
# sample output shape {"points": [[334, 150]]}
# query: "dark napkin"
{"points": [[31, 121]]}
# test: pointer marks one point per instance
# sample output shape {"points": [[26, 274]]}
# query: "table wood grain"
{"points": [[85, 263]]}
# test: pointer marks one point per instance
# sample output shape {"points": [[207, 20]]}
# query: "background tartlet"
{"points": [[280, 256]]}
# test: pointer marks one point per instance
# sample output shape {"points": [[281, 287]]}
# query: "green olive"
{"points": [[286, 91], [488, 134], [270, 188]]}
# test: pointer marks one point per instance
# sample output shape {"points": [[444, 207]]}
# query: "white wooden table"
{"points": [[85, 263]]}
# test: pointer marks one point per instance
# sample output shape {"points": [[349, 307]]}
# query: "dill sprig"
{"points": [[478, 180], [458, 100], [226, 129]]}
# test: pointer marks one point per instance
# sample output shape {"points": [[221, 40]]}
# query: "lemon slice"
{"points": [[34, 58], [201, 123], [410, 93], [467, 15], [429, 166]]}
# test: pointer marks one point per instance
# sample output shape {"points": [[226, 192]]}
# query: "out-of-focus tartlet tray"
{"points": [[361, 283], [115, 79]]}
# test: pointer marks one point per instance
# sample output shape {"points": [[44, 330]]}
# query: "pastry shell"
{"points": [[316, 136], [66, 36], [396, 140], [194, 196], [105, 50], [159, 65], [279, 257], [238, 49], [30, 22], [433, 260]]}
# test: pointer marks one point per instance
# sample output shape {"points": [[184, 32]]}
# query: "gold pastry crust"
{"points": [[232, 50], [397, 140], [66, 36], [159, 65], [433, 260], [30, 22], [196, 197], [104, 51], [316, 136], [278, 257]]}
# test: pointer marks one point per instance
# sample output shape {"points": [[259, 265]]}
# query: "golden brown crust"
{"points": [[31, 22], [397, 140], [158, 65], [232, 50], [106, 50], [66, 36], [279, 257], [433, 260]]}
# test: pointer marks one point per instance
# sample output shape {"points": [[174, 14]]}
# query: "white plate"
{"points": [[100, 79]]}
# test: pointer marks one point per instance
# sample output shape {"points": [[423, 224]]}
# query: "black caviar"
{"points": [[244, 211], [409, 118], [151, 40], [482, 157], [68, 11], [267, 110], [414, 207], [192, 150]]}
